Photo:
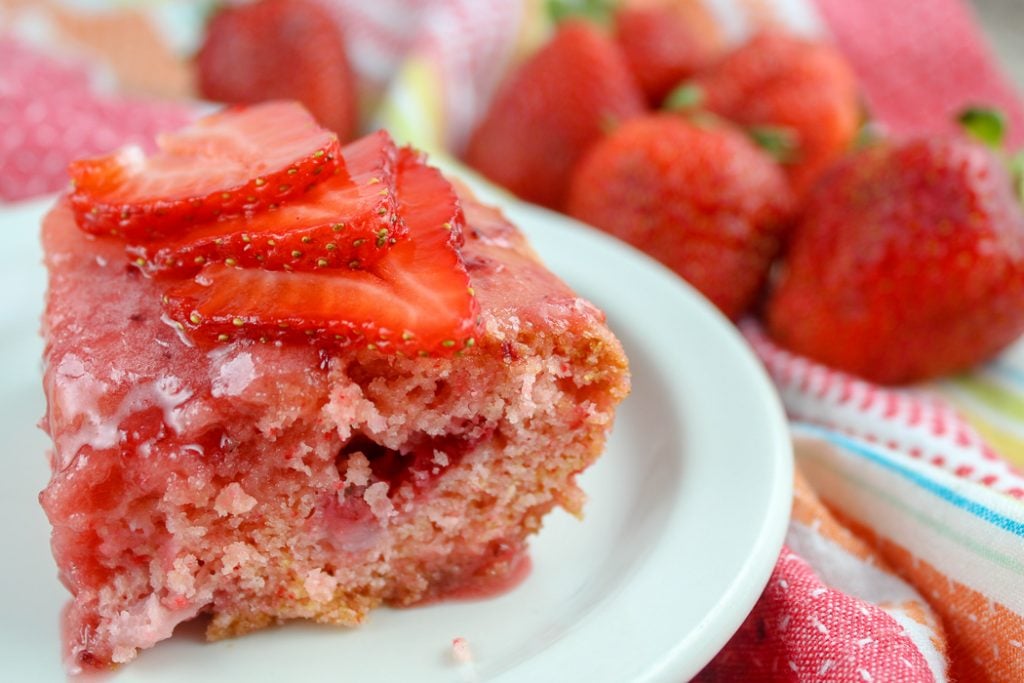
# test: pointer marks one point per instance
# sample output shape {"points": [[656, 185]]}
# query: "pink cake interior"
{"points": [[260, 483]]}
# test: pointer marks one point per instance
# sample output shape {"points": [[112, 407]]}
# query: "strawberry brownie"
{"points": [[258, 417]]}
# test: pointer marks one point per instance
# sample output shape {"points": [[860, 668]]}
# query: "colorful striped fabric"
{"points": [[992, 400], [961, 545], [927, 499]]}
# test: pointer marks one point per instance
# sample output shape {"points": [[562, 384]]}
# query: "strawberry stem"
{"points": [[781, 143], [684, 97], [987, 126]]}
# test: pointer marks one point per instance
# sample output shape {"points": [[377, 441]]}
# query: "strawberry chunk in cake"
{"points": [[388, 434]]}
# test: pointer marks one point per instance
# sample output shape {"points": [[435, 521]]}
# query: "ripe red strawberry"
{"points": [[907, 264], [415, 299], [702, 199], [550, 110], [348, 221], [801, 86], [280, 49], [236, 161], [667, 42]]}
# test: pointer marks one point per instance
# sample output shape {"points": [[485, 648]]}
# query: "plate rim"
{"points": [[694, 651]]}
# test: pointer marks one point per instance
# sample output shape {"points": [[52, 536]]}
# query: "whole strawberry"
{"points": [[801, 87], [666, 42], [702, 199], [280, 49], [550, 110], [907, 263]]}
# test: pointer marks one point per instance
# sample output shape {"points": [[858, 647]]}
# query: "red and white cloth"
{"points": [[904, 559], [51, 113]]}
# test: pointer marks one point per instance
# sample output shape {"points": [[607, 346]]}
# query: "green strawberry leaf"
{"points": [[987, 126], [598, 11], [781, 143], [684, 97]]}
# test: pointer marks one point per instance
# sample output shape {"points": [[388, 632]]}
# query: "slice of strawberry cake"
{"points": [[259, 415]]}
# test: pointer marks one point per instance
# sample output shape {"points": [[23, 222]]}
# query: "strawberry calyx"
{"points": [[598, 12], [984, 125], [780, 142], [988, 126], [687, 96]]}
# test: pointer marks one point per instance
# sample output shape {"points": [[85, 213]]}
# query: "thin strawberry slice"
{"points": [[348, 221], [237, 161], [416, 299]]}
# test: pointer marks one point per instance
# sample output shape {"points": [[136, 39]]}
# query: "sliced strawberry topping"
{"points": [[240, 160], [348, 221], [415, 299]]}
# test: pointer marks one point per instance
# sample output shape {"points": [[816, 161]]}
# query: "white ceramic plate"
{"points": [[686, 517]]}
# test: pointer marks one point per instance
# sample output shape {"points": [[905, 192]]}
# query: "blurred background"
{"points": [[1003, 21], [80, 77]]}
